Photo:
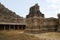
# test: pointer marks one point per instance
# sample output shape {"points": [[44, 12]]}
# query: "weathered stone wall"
{"points": [[51, 24], [34, 11], [37, 23], [34, 19], [34, 23], [58, 29], [7, 15]]}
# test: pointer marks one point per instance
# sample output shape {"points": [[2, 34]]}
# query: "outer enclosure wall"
{"points": [[39, 25], [51, 24]]}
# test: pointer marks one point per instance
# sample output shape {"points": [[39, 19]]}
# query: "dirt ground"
{"points": [[20, 35], [16, 35]]}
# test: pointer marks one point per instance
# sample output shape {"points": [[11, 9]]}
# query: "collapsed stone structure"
{"points": [[35, 22]]}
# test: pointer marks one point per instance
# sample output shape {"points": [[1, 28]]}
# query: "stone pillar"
{"points": [[22, 27], [14, 27], [18, 27], [9, 27], [4, 27]]}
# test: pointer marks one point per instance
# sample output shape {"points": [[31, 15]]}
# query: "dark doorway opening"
{"points": [[1, 27], [20, 27], [11, 27], [16, 27], [6, 27], [24, 26]]}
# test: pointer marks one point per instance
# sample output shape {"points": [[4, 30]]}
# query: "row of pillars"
{"points": [[12, 27]]}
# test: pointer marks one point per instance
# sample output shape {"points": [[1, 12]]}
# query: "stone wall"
{"points": [[34, 19], [7, 15], [51, 24], [37, 23], [58, 29]]}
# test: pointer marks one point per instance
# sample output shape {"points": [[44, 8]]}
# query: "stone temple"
{"points": [[35, 22]]}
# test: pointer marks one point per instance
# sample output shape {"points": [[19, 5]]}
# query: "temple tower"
{"points": [[34, 20]]}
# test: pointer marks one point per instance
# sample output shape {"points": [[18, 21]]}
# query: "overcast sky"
{"points": [[21, 7]]}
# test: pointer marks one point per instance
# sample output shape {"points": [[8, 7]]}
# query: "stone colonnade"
{"points": [[12, 27]]}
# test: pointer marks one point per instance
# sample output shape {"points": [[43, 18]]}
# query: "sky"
{"points": [[50, 8]]}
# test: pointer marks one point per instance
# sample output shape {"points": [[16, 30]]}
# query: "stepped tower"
{"points": [[34, 19]]}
